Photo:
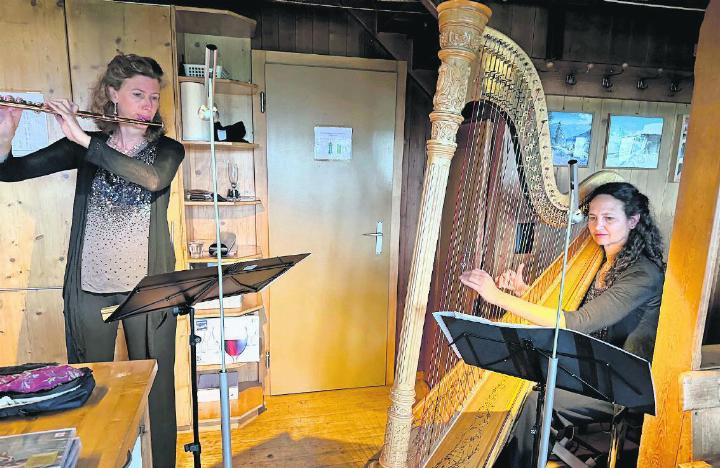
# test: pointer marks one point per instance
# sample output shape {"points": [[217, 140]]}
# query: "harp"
{"points": [[489, 201]]}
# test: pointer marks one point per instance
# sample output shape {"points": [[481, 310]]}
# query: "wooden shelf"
{"points": [[222, 145], [235, 203], [229, 365], [213, 22], [224, 86], [245, 252], [250, 398], [229, 312]]}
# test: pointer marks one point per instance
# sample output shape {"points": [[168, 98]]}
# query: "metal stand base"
{"points": [[194, 446]]}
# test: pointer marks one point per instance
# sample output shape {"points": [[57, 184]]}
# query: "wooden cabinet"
{"points": [[236, 99]]}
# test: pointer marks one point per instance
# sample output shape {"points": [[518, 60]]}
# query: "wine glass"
{"points": [[233, 174], [235, 346]]}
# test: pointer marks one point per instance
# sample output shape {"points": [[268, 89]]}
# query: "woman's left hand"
{"points": [[481, 282], [65, 115]]}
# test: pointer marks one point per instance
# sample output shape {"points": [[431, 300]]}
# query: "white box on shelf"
{"points": [[234, 302], [209, 387], [242, 340]]}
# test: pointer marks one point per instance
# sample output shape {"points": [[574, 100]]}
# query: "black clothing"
{"points": [[629, 309]]}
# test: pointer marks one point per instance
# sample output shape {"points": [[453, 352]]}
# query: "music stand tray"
{"points": [[179, 290], [187, 287]]}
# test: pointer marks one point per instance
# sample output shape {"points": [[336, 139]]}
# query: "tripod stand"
{"points": [[179, 290]]}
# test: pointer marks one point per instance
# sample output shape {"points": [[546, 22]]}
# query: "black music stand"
{"points": [[179, 290], [586, 365]]}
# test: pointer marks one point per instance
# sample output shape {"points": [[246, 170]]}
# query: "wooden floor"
{"points": [[334, 428]]}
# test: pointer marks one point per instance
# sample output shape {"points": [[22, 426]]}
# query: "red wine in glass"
{"points": [[234, 347]]}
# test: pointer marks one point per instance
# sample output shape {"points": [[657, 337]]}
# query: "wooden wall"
{"points": [[658, 184], [323, 31], [33, 247], [666, 438]]}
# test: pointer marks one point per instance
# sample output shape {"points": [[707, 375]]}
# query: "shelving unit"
{"points": [[225, 86], [236, 100], [230, 203], [222, 145]]}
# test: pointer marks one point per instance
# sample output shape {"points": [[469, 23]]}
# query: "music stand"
{"points": [[587, 366], [179, 290]]}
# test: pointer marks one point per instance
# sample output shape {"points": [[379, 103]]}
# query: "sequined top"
{"points": [[115, 248]]}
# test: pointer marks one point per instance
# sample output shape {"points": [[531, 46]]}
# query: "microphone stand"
{"points": [[573, 218], [208, 113]]}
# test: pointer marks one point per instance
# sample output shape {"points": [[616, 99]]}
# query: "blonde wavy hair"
{"points": [[120, 68]]}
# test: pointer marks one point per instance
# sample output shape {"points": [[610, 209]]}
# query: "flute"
{"points": [[82, 114]]}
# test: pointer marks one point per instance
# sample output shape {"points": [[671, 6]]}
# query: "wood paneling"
{"points": [[655, 183], [322, 31], [33, 246], [31, 327], [691, 263], [98, 30]]}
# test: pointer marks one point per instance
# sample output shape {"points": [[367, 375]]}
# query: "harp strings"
{"points": [[490, 203]]}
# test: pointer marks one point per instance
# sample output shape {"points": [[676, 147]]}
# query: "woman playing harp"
{"points": [[621, 306], [490, 202]]}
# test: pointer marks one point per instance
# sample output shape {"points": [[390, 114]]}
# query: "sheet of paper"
{"points": [[333, 143], [32, 133]]}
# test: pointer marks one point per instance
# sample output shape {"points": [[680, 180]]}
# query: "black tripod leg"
{"points": [[194, 447]]}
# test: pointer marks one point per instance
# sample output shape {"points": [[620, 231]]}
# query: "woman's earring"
{"points": [[115, 108]]}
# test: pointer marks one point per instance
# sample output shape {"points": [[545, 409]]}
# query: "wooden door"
{"points": [[329, 315]]}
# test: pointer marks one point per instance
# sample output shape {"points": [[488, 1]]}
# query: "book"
{"points": [[46, 449]]}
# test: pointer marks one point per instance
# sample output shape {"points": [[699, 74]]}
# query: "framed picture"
{"points": [[570, 136], [633, 142], [679, 148]]}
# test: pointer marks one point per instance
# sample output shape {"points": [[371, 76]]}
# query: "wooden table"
{"points": [[110, 421]]}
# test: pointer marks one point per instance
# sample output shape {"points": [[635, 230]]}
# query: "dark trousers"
{"points": [[89, 339], [568, 409]]}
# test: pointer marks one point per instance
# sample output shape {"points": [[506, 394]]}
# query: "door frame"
{"points": [[260, 58]]}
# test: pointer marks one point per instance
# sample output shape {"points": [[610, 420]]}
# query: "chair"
{"points": [[579, 446]]}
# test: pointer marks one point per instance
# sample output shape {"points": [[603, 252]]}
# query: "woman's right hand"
{"points": [[9, 120], [513, 281]]}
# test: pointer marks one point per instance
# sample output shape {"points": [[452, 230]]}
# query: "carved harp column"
{"points": [[461, 25]]}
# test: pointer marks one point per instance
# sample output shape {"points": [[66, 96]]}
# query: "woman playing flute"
{"points": [[119, 231]]}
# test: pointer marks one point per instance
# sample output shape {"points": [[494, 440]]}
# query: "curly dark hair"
{"points": [[644, 238], [120, 68]]}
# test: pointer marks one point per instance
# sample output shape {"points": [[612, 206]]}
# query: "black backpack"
{"points": [[81, 387]]}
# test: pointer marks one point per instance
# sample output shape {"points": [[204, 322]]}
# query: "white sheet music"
{"points": [[32, 133]]}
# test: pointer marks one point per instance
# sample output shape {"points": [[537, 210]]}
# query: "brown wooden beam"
{"points": [[693, 255]]}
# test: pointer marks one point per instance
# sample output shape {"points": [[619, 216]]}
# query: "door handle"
{"points": [[378, 235]]}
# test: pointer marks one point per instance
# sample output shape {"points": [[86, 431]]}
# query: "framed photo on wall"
{"points": [[679, 148], [570, 137], [633, 142]]}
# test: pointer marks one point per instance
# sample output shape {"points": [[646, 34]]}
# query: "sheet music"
{"points": [[32, 133]]}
